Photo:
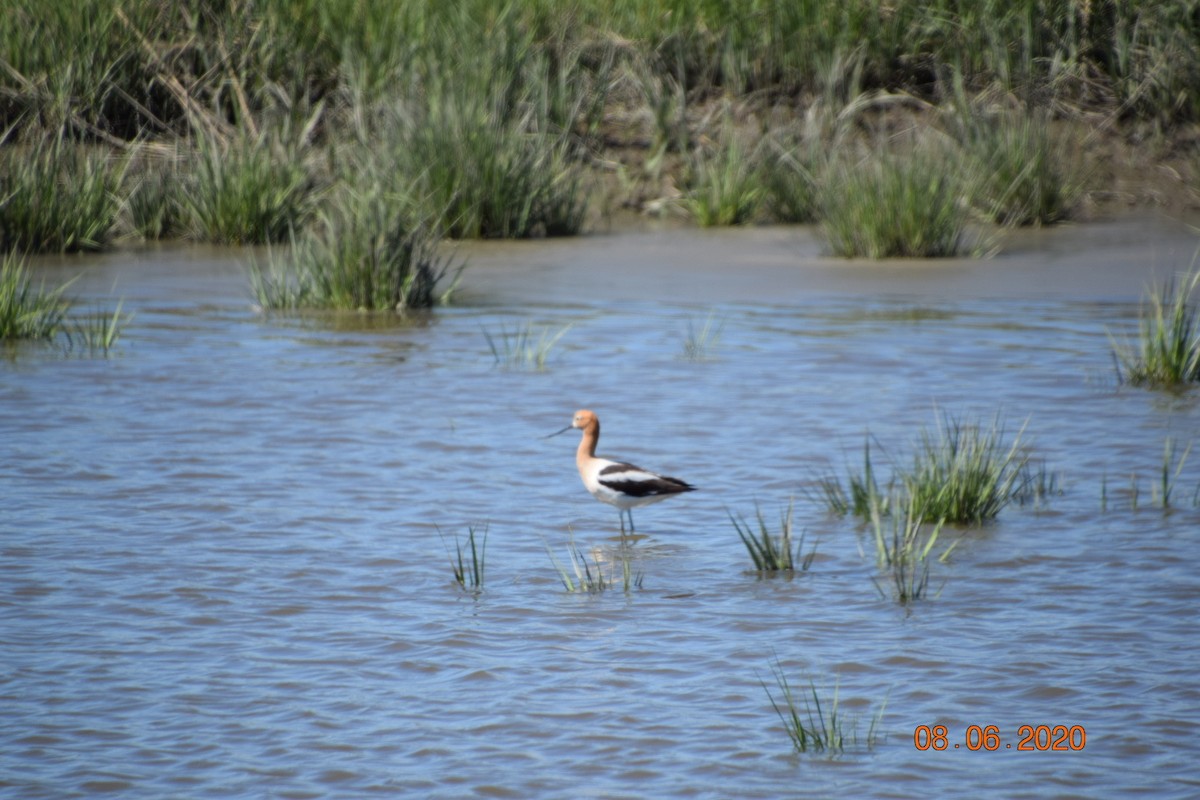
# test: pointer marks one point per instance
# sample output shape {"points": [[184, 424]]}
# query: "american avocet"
{"points": [[615, 482]]}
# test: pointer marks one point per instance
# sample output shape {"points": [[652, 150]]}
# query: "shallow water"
{"points": [[221, 572]]}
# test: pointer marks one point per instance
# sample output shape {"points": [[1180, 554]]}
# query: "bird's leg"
{"points": [[629, 511]]}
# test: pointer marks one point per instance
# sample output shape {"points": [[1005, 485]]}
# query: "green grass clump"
{"points": [[896, 205], [819, 727], [249, 190], [965, 473], [1025, 174], [1167, 353], [467, 562], [726, 187], [773, 552], [26, 312], [527, 347], [791, 185], [961, 473], [45, 314], [56, 196], [365, 253]]}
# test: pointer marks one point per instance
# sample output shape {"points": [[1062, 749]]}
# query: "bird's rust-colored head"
{"points": [[584, 418]]}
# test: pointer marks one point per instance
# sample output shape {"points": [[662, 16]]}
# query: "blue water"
{"points": [[224, 550]]}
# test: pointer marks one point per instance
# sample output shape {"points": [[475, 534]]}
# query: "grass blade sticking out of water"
{"points": [[863, 496], [1167, 354], [26, 312], [768, 552], [699, 345], [818, 727], [468, 564], [527, 347], [588, 576], [1171, 469], [904, 550], [97, 333]]}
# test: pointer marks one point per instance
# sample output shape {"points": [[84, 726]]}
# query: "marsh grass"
{"points": [[247, 190], [961, 472], [1026, 174], [772, 552], [28, 312], [896, 205], [903, 549], [791, 181], [97, 331], [700, 344], [965, 473], [862, 497], [526, 347], [490, 174], [366, 252], [813, 725], [1169, 473], [725, 185], [153, 206], [1167, 353], [468, 560], [57, 195], [593, 576]]}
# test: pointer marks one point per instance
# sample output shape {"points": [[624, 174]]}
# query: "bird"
{"points": [[615, 482]]}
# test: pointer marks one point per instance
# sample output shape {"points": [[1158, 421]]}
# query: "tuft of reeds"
{"points": [[1167, 353], [772, 552], [97, 332], [896, 205], [468, 560], [56, 196], [589, 576], [792, 184], [366, 252], [903, 549], [1025, 174], [966, 473], [153, 206], [726, 187], [862, 498], [27, 312], [961, 473], [247, 190], [700, 344], [526, 347], [813, 725]]}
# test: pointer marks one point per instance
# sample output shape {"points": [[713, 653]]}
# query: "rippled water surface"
{"points": [[223, 551]]}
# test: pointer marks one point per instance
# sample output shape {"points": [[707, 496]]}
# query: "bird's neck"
{"points": [[587, 445]]}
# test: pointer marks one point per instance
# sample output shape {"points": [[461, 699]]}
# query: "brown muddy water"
{"points": [[221, 573]]}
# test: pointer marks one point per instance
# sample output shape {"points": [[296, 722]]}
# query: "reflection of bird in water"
{"points": [[614, 482]]}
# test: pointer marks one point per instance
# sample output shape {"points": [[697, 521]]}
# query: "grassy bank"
{"points": [[521, 119]]}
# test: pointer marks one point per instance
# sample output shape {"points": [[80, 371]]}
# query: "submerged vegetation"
{"points": [[731, 112]]}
